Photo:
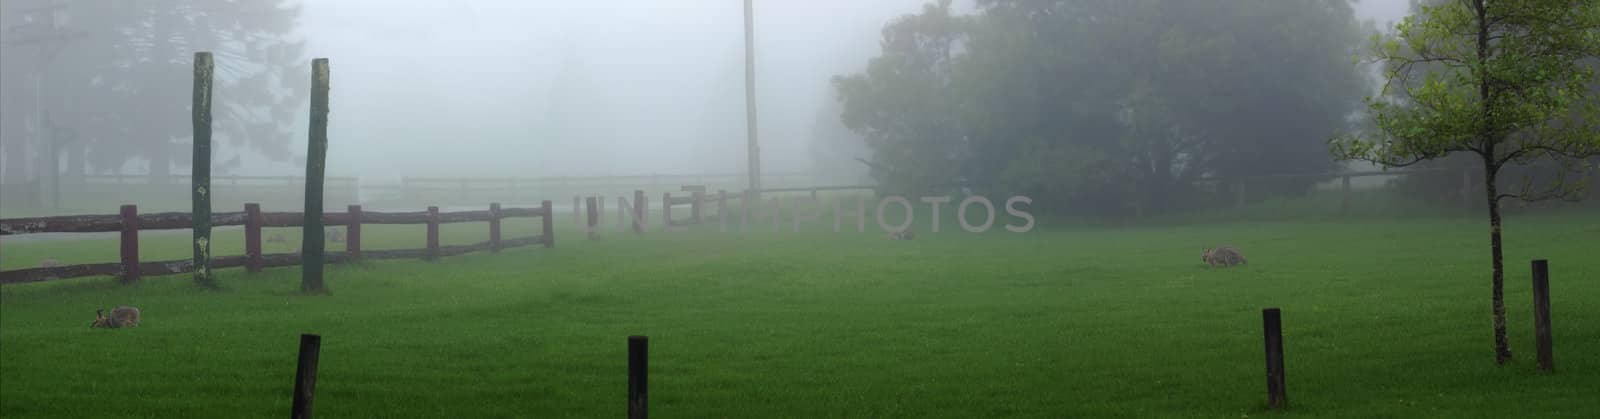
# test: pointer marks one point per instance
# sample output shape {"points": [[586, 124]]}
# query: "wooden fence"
{"points": [[129, 222]]}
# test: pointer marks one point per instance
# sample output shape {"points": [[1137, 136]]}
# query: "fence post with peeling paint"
{"points": [[494, 227], [130, 243], [433, 233], [200, 177], [352, 233], [549, 223], [252, 237]]}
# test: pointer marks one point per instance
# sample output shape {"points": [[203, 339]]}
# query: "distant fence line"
{"points": [[129, 222]]}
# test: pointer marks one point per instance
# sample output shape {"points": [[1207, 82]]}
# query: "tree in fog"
{"points": [[1506, 82], [904, 105], [1109, 105], [126, 86]]}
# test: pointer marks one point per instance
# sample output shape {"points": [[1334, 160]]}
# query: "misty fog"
{"points": [[519, 88]]}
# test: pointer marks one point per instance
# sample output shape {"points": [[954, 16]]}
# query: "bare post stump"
{"points": [[1272, 322], [638, 363], [1541, 315], [305, 376]]}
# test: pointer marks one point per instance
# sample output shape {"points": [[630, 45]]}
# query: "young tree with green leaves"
{"points": [[1505, 81]]}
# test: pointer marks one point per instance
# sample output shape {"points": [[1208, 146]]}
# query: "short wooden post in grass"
{"points": [[549, 223], [312, 247], [1541, 315], [305, 376], [252, 237], [638, 368], [639, 209], [130, 243], [433, 233], [352, 233], [593, 222], [200, 175], [494, 227], [1272, 322]]}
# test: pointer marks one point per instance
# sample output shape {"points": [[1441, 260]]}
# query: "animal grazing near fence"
{"points": [[902, 235], [1222, 256], [122, 316]]}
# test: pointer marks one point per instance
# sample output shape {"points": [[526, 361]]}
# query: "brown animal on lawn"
{"points": [[122, 316], [1222, 256]]}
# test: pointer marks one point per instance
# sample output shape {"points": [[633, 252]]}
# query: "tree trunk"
{"points": [[1502, 347]]}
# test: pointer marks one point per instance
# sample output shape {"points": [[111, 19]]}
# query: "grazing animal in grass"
{"points": [[1222, 256], [276, 238], [122, 316], [49, 263], [334, 234], [902, 235]]}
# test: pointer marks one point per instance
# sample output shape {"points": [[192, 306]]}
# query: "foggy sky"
{"points": [[465, 87], [561, 87]]}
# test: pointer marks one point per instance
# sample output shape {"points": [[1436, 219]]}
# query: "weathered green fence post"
{"points": [[200, 177], [311, 247]]}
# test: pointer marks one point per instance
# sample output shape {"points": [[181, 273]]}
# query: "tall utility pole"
{"points": [[750, 98]]}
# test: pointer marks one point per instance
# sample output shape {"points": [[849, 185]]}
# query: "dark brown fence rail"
{"points": [[129, 222]]}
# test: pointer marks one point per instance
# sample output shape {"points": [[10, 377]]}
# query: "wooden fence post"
{"points": [[1272, 322], [594, 218], [433, 233], [305, 376], [200, 175], [638, 369], [1344, 198], [130, 243], [549, 223], [722, 210], [666, 209], [1541, 315], [699, 201], [252, 237], [352, 233], [312, 246], [494, 227], [638, 211]]}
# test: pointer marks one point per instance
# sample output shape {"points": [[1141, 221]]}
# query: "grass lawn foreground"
{"points": [[1382, 318]]}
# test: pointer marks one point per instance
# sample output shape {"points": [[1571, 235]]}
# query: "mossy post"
{"points": [[200, 177], [311, 247]]}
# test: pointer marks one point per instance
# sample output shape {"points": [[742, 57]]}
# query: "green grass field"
{"points": [[1383, 318]]}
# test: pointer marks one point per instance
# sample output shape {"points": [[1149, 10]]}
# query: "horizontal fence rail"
{"points": [[129, 223]]}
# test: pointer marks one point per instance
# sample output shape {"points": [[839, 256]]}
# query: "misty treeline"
{"points": [[108, 68], [1113, 106]]}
